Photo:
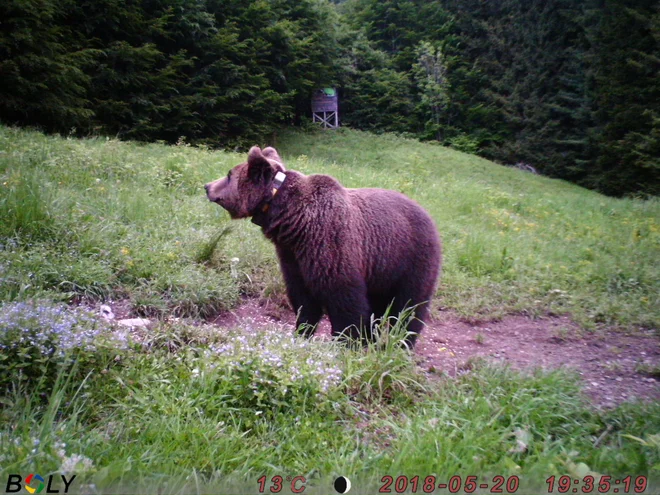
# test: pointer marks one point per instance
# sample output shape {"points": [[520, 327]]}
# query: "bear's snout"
{"points": [[212, 191], [218, 192], [207, 188]]}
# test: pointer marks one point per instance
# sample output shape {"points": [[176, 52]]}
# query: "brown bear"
{"points": [[347, 252]]}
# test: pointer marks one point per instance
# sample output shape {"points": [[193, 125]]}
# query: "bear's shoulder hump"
{"points": [[321, 182]]}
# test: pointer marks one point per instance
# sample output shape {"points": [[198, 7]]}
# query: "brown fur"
{"points": [[347, 252]]}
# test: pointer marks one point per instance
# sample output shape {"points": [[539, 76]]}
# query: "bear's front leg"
{"points": [[308, 310], [350, 313], [308, 313]]}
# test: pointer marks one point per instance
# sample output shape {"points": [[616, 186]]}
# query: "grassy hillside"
{"points": [[185, 408], [513, 241], [99, 218]]}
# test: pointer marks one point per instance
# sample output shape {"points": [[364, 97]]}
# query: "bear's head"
{"points": [[247, 185]]}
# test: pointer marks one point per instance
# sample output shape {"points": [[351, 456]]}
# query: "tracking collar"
{"points": [[277, 183]]}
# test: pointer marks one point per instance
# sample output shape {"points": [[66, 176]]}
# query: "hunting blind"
{"points": [[325, 108]]}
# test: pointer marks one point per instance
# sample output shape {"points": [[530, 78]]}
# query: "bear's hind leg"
{"points": [[406, 299], [416, 324], [379, 304]]}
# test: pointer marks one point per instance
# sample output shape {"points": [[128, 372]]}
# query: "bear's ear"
{"points": [[272, 154], [259, 168]]}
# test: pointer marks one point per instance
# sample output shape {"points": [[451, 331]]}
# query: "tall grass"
{"points": [[190, 410], [24, 207], [101, 219]]}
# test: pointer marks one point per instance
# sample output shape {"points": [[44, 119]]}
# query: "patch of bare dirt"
{"points": [[611, 364]]}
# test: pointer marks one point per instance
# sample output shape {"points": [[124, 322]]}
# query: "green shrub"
{"points": [[465, 143]]}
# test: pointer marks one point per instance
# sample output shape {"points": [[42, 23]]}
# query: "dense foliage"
{"points": [[209, 70], [569, 87]]}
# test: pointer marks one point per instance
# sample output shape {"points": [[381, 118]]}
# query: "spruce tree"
{"points": [[625, 36], [43, 81]]}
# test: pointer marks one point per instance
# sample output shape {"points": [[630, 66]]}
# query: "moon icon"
{"points": [[342, 484]]}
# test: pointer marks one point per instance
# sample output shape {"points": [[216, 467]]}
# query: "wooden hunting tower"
{"points": [[325, 107]]}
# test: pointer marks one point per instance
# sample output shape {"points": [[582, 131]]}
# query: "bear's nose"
{"points": [[206, 188]]}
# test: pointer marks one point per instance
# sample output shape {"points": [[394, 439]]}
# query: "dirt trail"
{"points": [[612, 365]]}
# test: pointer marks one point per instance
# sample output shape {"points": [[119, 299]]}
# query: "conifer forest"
{"points": [[568, 87]]}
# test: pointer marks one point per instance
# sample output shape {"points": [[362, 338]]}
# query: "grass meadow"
{"points": [[185, 408]]}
